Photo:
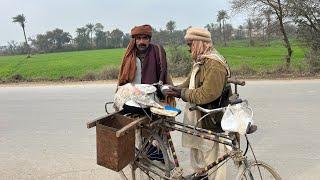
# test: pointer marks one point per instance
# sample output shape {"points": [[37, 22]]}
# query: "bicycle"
{"points": [[156, 129]]}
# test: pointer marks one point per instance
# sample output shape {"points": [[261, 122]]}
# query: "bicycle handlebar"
{"points": [[237, 101], [236, 81]]}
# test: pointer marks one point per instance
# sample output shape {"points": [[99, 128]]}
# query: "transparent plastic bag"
{"points": [[136, 95], [237, 117]]}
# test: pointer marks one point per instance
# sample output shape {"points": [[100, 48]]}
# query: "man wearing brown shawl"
{"points": [[143, 62], [203, 87]]}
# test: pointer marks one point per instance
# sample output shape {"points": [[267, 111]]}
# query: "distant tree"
{"points": [[177, 38], [108, 35], [258, 26], [222, 17], [60, 38], [171, 26], [82, 39], [100, 36], [41, 43], [161, 37], [126, 40], [98, 27], [267, 15], [250, 28], [82, 31], [21, 19], [210, 28], [240, 34], [306, 14], [100, 39], [90, 30], [228, 32], [116, 38], [214, 30], [12, 47], [52, 41], [278, 7]]}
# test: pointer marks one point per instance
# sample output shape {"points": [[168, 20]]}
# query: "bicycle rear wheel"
{"points": [[258, 171], [154, 169]]}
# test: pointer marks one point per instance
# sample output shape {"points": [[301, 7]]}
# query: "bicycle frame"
{"points": [[229, 140]]}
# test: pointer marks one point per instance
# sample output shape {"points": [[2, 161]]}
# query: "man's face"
{"points": [[189, 44], [142, 42]]}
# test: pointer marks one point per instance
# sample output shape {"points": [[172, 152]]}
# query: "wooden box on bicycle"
{"points": [[113, 151]]}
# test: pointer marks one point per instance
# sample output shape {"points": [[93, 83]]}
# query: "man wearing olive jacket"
{"points": [[203, 87]]}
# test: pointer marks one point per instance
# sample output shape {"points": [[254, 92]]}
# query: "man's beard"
{"points": [[142, 47]]}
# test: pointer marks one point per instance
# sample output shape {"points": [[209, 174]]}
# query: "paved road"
{"points": [[43, 133]]}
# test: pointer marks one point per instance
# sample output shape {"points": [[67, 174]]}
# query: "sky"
{"points": [[44, 15]]}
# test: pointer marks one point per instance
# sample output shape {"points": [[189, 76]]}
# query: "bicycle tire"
{"points": [[261, 168], [152, 168]]}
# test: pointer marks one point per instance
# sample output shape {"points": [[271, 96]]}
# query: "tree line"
{"points": [[93, 36], [269, 19]]}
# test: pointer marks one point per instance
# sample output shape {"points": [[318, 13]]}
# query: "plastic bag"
{"points": [[138, 95], [236, 118]]}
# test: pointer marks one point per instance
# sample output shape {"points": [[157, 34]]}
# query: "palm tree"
{"points": [[240, 32], [222, 16], [250, 28], [267, 13], [21, 19], [81, 31], [90, 30], [98, 27]]}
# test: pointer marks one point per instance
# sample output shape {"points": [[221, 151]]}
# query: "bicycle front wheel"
{"points": [[152, 168], [257, 170]]}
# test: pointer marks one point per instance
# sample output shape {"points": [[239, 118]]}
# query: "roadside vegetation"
{"points": [[278, 39], [104, 64]]}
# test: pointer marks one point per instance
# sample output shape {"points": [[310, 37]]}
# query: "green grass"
{"points": [[78, 63], [260, 58], [55, 65]]}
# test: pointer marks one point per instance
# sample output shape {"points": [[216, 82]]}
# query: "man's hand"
{"points": [[174, 91]]}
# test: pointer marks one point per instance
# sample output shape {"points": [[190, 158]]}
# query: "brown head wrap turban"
{"points": [[141, 30]]}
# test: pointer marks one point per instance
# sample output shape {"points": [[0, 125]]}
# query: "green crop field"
{"points": [[56, 65], [76, 64], [261, 58]]}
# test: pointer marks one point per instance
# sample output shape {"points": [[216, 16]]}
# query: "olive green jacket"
{"points": [[209, 83]]}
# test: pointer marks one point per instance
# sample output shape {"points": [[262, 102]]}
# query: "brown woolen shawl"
{"points": [[128, 65]]}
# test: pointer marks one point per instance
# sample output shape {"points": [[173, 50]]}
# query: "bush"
{"points": [[313, 60], [109, 73], [67, 78], [17, 77], [89, 76], [243, 70], [179, 61]]}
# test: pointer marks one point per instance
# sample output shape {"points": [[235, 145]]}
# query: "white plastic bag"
{"points": [[137, 95], [237, 118]]}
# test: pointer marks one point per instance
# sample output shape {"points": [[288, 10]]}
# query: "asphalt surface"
{"points": [[43, 132]]}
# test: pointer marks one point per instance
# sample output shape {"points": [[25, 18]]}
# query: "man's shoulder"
{"points": [[213, 64]]}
